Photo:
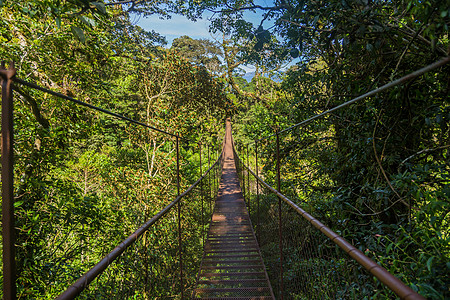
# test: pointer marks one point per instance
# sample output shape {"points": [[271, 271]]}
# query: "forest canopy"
{"points": [[377, 172]]}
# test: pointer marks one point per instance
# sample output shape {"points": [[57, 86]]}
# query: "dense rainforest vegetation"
{"points": [[377, 172]]}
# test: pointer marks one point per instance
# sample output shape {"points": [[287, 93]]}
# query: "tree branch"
{"points": [[306, 27], [423, 151], [121, 2], [34, 107], [252, 7], [382, 169]]}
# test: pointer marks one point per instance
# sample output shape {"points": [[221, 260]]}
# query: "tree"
{"points": [[383, 157], [85, 181], [201, 52]]}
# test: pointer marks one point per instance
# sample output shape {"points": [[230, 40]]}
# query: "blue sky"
{"points": [[178, 26]]}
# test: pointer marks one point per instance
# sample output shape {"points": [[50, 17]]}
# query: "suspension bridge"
{"points": [[224, 259]]}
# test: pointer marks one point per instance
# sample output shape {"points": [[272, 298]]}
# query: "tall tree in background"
{"points": [[201, 52], [386, 163], [85, 181]]}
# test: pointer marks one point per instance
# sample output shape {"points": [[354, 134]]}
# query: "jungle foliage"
{"points": [[84, 181], [377, 172]]}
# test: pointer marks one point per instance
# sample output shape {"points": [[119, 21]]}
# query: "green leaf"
{"points": [[78, 33], [100, 7], [409, 5], [389, 248], [87, 21], [429, 262], [58, 21]]}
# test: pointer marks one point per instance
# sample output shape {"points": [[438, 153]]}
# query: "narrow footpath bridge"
{"points": [[232, 265], [292, 256]]}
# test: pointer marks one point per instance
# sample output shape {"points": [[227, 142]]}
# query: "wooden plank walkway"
{"points": [[232, 267]]}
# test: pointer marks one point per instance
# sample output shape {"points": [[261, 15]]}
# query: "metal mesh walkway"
{"points": [[232, 267]]}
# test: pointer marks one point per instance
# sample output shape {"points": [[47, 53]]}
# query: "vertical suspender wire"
{"points": [[243, 170], [213, 182], [209, 182], [9, 263], [280, 229], [257, 193], [248, 182], [201, 194], [214, 186], [179, 219], [217, 181]]}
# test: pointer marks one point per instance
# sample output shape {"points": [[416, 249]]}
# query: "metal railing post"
{"points": [[9, 263], [209, 181], [280, 229], [201, 193], [248, 181], [180, 250], [257, 193], [213, 186], [217, 176], [243, 171]]}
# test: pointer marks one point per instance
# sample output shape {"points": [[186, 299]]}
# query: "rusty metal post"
{"points": [[180, 250], [201, 193], [280, 229], [9, 255], [209, 182], [214, 184], [257, 191], [217, 175], [248, 182], [242, 168]]}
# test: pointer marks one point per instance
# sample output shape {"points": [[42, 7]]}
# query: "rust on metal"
{"points": [[76, 288], [392, 282], [78, 102], [201, 194], [9, 265], [232, 267], [257, 192], [248, 184], [443, 61]]}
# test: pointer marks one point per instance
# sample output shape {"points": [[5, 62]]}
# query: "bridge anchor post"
{"points": [[9, 253]]}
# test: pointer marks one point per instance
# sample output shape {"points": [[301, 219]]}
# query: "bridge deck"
{"points": [[232, 267]]}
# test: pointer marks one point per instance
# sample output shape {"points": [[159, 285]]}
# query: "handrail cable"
{"points": [[48, 91], [392, 282], [82, 282], [403, 79]]}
